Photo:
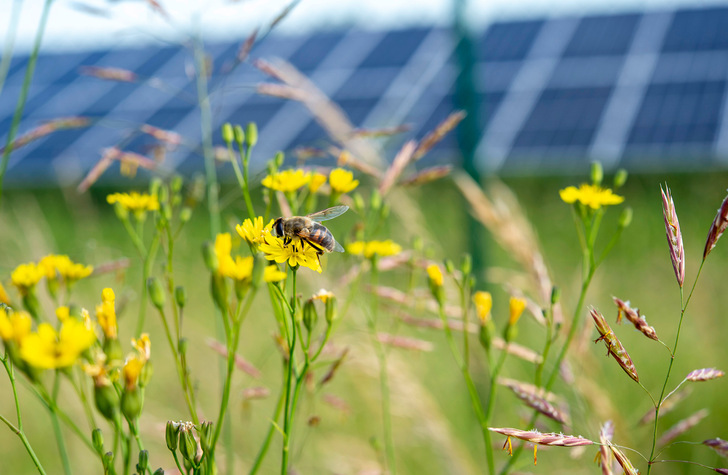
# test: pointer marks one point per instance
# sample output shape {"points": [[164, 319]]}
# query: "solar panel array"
{"points": [[642, 90]]}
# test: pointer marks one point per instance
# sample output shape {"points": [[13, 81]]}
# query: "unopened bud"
{"points": [[131, 402], [555, 295], [156, 292], [239, 135], [227, 133], [108, 460], [159, 471], [143, 461], [597, 173], [620, 178], [219, 289], [206, 433], [188, 446], [278, 159], [112, 349], [154, 186], [162, 194], [121, 212], [376, 200], [625, 219], [330, 310], [107, 401], [182, 346], [97, 438], [310, 315], [358, 203], [251, 135], [185, 214], [171, 435], [180, 296], [176, 183], [467, 267], [449, 266], [210, 257]]}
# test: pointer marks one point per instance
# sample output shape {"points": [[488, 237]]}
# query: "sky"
{"points": [[93, 24]]}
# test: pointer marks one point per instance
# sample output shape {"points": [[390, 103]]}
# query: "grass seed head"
{"points": [[633, 315], [704, 374], [719, 445], [614, 346], [674, 236], [716, 229]]}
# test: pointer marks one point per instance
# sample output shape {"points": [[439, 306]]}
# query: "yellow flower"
{"points": [[483, 304], [317, 181], [296, 253], [50, 350], [136, 202], [63, 313], [287, 180], [106, 314], [517, 305], [323, 295], [143, 345], [590, 195], [273, 274], [4, 295], [371, 248], [14, 325], [239, 269], [342, 181], [433, 270], [98, 370], [132, 369], [26, 276], [54, 265], [252, 230]]}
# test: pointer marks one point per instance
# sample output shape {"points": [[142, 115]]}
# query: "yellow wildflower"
{"points": [[132, 369], [273, 274], [483, 305], [223, 248], [317, 181], [63, 313], [26, 276], [371, 248], [143, 345], [323, 295], [135, 202], [4, 295], [50, 350], [433, 270], [239, 269], [98, 370], [517, 305], [296, 253], [287, 180], [252, 230], [342, 181], [106, 314], [14, 326], [590, 195]]}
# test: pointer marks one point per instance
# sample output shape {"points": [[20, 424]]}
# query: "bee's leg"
{"points": [[286, 240]]}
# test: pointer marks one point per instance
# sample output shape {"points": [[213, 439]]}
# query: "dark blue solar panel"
{"points": [[355, 109], [366, 83], [508, 41], [679, 113], [603, 35], [259, 112], [704, 29], [314, 50], [563, 117], [395, 49]]}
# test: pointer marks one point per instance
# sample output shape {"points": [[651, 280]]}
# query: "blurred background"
{"points": [[548, 85]]}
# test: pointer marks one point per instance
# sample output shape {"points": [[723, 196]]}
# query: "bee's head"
{"points": [[278, 227]]}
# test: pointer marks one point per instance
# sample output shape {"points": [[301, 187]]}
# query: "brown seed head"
{"points": [[719, 445], [623, 461], [633, 315], [674, 236], [614, 346], [605, 455], [716, 229], [536, 437], [704, 374], [534, 400]]}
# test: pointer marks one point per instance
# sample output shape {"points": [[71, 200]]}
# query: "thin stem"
{"points": [[289, 379], [20, 107], [269, 436], [9, 42], [57, 428]]}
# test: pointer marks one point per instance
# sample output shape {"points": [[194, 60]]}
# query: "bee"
{"points": [[308, 229]]}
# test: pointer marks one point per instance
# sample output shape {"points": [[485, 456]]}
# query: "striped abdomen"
{"points": [[321, 236]]}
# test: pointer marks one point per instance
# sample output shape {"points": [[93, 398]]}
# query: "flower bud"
{"points": [[485, 336], [278, 159], [625, 219], [112, 349], [436, 280], [359, 203], [555, 295], [227, 133], [620, 178], [251, 134], [182, 346], [154, 186], [449, 266], [143, 461], [108, 461], [188, 446], [176, 183], [376, 200], [159, 471], [219, 289], [131, 402], [107, 401], [180, 296], [239, 135], [597, 173], [206, 433], [330, 310], [467, 266], [185, 214], [310, 315], [156, 292], [97, 438], [210, 257], [171, 435], [121, 212], [162, 194]]}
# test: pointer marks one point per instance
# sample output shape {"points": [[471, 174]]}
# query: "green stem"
{"points": [[20, 106], [289, 379], [9, 42], [269, 437], [57, 427], [19, 429]]}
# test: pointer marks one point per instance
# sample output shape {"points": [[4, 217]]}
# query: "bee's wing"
{"points": [[329, 213], [338, 247]]}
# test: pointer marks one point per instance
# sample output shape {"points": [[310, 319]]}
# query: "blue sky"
{"points": [[133, 22]]}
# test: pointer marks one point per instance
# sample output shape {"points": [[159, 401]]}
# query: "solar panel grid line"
{"points": [[345, 57], [621, 110], [720, 147], [523, 93], [403, 93]]}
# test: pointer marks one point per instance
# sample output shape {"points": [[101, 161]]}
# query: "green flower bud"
{"points": [[171, 435], [467, 267], [156, 292], [208, 254], [359, 203], [185, 214], [449, 266], [121, 212], [227, 133], [330, 310], [180, 296], [188, 446], [176, 183], [107, 401], [625, 219], [251, 134], [620, 178], [278, 159], [31, 304], [97, 438], [108, 461], [597, 173], [182, 346], [112, 349], [154, 186], [219, 289], [132, 402], [239, 135], [486, 335], [162, 194], [167, 211], [159, 471], [555, 295], [310, 315], [143, 461], [376, 200], [206, 434]]}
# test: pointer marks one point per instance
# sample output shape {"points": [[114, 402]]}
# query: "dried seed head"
{"points": [[605, 455], [719, 445], [536, 437], [530, 396], [614, 346], [704, 374], [633, 315], [681, 427], [623, 461], [674, 236], [716, 229]]}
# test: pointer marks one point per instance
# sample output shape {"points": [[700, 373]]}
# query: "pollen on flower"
{"points": [[323, 295], [287, 180], [342, 181], [590, 195]]}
